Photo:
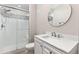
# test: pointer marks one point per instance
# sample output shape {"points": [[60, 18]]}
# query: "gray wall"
{"points": [[42, 25], [32, 21]]}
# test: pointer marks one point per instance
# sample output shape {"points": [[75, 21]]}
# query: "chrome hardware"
{"points": [[2, 26], [50, 52], [54, 34]]}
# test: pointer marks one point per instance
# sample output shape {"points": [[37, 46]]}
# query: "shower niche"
{"points": [[14, 27]]}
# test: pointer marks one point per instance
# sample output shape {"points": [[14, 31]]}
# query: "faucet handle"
{"points": [[59, 35], [54, 34]]}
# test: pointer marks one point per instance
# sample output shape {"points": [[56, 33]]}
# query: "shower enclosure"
{"points": [[14, 28]]}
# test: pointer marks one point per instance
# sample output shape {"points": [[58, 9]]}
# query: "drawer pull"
{"points": [[50, 52], [40, 45]]}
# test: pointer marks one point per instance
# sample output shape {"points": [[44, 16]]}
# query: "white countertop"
{"points": [[66, 43]]}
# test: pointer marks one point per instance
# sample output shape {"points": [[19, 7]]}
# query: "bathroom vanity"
{"points": [[45, 44]]}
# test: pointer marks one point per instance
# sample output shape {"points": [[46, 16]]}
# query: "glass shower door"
{"points": [[7, 34], [14, 32], [22, 33]]}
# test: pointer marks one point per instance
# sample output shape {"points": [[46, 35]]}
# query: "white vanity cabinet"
{"points": [[38, 46], [42, 47], [48, 49]]}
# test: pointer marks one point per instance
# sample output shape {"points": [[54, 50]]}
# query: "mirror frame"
{"points": [[65, 21]]}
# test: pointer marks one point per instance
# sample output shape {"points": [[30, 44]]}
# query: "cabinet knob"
{"points": [[50, 52], [41, 45]]}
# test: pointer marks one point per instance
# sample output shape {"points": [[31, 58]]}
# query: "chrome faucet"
{"points": [[59, 35], [54, 34]]}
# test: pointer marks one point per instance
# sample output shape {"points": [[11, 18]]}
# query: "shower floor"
{"points": [[20, 51]]}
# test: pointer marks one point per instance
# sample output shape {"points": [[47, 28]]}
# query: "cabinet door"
{"points": [[38, 47], [47, 50]]}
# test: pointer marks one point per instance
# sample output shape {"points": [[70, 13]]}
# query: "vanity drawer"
{"points": [[46, 51], [45, 48], [51, 49]]}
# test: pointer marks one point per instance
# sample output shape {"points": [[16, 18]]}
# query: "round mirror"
{"points": [[59, 14]]}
